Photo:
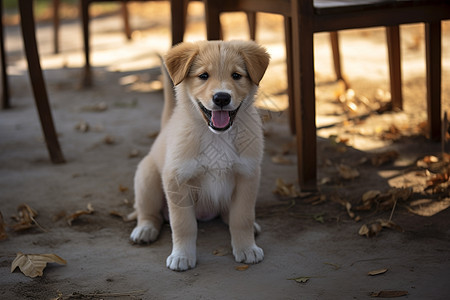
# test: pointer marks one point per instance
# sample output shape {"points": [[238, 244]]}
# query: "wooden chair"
{"points": [[178, 19], [36, 78], [306, 17]]}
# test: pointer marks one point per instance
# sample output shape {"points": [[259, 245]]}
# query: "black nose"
{"points": [[221, 99]]}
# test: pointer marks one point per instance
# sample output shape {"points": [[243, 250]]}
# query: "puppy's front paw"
{"points": [[144, 233], [178, 262], [250, 255]]}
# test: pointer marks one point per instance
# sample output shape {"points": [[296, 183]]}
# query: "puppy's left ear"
{"points": [[256, 60], [179, 60]]}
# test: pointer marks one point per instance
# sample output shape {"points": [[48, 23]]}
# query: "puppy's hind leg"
{"points": [[149, 201]]}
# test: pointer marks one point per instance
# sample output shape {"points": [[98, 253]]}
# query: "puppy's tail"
{"points": [[169, 95]]}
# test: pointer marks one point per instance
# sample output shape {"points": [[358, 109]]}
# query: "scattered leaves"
{"points": [[388, 294], [242, 267], [97, 107], [79, 213], [82, 126], [347, 172], [286, 189], [370, 230], [377, 272], [109, 140], [384, 158], [33, 265], [281, 160], [117, 214]]}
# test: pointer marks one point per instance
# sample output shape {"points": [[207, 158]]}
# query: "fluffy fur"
{"points": [[206, 160]]}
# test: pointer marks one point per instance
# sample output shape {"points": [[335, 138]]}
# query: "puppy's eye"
{"points": [[236, 76], [203, 76]]}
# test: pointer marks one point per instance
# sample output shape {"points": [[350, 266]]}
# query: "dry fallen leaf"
{"points": [[98, 107], [241, 267], [388, 294], [281, 160], [372, 229], [109, 140], [347, 172], [3, 235], [222, 251], [134, 153], [286, 189], [384, 158], [429, 208], [303, 279], [377, 272], [82, 126], [122, 188], [25, 218], [79, 213], [33, 265], [153, 135]]}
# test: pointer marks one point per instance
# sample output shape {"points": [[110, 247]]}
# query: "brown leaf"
{"points": [[122, 188], [153, 134], [241, 267], [431, 208], [25, 218], [377, 272], [222, 251], [347, 172], [281, 160], [390, 224], [33, 265], [79, 213], [82, 126], [388, 294], [109, 140], [98, 107], [384, 158], [286, 189], [370, 230], [3, 235]]}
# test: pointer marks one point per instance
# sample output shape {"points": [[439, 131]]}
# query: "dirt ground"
{"points": [[312, 245]]}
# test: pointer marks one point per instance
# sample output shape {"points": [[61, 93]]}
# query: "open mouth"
{"points": [[219, 120]]}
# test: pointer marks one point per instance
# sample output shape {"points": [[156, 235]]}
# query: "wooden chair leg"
{"points": [[178, 9], [84, 9], [212, 20], [56, 4], [395, 73], [251, 19], [304, 98], [37, 80], [126, 20], [334, 40], [289, 72], [5, 84], [433, 67]]}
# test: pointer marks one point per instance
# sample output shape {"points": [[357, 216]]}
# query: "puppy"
{"points": [[206, 160]]}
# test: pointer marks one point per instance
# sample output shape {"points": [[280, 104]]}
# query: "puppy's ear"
{"points": [[256, 59], [179, 60]]}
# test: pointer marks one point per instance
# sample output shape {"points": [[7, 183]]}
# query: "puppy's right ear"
{"points": [[179, 60]]}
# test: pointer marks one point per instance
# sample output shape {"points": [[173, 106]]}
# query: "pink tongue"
{"points": [[220, 118]]}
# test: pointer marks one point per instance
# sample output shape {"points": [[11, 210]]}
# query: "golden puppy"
{"points": [[206, 159]]}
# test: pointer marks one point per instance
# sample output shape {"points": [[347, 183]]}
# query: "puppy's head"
{"points": [[218, 76]]}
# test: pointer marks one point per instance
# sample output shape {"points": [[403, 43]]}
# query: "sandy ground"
{"points": [[104, 132]]}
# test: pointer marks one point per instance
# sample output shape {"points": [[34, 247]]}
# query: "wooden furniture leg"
{"points": [[178, 10], [304, 97], [433, 70], [395, 73], [126, 20], [5, 85], [37, 80]]}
